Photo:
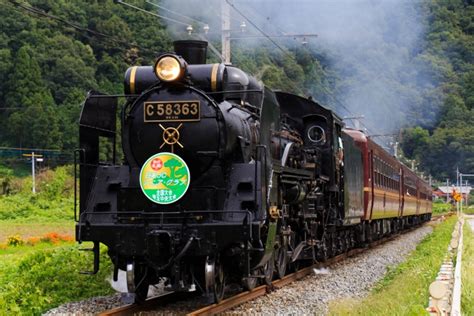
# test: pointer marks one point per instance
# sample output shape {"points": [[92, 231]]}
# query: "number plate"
{"points": [[172, 111]]}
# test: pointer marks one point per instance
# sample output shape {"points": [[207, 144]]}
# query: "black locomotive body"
{"points": [[274, 179]]}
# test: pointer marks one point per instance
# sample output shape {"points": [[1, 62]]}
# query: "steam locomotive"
{"points": [[226, 181]]}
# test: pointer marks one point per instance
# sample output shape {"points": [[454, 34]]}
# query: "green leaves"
{"points": [[48, 278]]}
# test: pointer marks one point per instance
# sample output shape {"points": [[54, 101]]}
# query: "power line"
{"points": [[256, 27], [174, 12], [213, 49], [255, 13], [218, 13], [148, 12]]}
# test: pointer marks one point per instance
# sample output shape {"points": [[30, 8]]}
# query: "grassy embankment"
{"points": [[467, 271], [468, 210], [404, 289], [39, 261]]}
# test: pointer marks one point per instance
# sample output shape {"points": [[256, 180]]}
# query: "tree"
{"points": [[415, 141], [34, 122]]}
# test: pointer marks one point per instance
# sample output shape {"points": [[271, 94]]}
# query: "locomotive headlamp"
{"points": [[170, 68]]}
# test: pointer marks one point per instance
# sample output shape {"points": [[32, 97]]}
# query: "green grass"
{"points": [[38, 281], [404, 289], [441, 208], [468, 210], [467, 271]]}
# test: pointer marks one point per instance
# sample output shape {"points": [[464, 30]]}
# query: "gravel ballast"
{"points": [[353, 277]]}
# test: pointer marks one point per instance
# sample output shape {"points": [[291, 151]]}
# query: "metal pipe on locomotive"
{"points": [[224, 180]]}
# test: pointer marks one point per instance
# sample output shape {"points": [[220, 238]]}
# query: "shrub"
{"points": [[14, 240], [46, 279], [54, 184]]}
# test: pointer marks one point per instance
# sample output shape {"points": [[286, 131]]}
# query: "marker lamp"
{"points": [[169, 68]]}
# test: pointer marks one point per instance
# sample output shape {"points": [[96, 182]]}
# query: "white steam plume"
{"points": [[374, 46]]}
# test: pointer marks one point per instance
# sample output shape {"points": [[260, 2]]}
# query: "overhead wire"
{"points": [[148, 12], [159, 16], [219, 13], [175, 13], [256, 27]]}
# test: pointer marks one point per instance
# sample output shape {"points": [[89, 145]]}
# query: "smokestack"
{"points": [[193, 51]]}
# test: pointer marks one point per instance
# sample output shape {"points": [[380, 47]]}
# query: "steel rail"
{"points": [[149, 304]]}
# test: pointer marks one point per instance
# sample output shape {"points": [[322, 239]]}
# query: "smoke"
{"points": [[375, 47]]}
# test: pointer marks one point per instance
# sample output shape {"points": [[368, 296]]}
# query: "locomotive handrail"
{"points": [[79, 150], [235, 91], [258, 147], [114, 96]]}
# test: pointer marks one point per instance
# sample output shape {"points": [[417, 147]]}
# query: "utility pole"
{"points": [[447, 190], [33, 163], [457, 188], [462, 198], [225, 14]]}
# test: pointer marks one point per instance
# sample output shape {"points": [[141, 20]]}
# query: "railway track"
{"points": [[246, 296]]}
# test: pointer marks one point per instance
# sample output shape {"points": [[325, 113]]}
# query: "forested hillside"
{"points": [[48, 63], [53, 51], [449, 142]]}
